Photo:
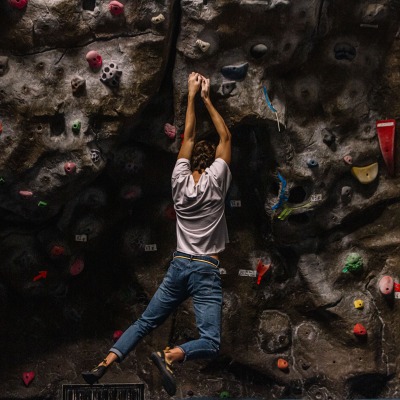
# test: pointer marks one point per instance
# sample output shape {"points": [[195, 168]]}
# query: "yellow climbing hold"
{"points": [[358, 304], [366, 174]]}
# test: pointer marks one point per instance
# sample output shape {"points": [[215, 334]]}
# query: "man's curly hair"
{"points": [[203, 155]]}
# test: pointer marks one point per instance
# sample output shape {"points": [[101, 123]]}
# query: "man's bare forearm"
{"points": [[190, 121]]}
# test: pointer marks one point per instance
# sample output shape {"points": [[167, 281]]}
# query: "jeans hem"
{"points": [[117, 353]]}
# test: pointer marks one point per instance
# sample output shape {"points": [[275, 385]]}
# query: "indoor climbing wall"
{"points": [[92, 109]]}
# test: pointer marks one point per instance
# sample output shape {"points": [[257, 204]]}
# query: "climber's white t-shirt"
{"points": [[200, 209]]}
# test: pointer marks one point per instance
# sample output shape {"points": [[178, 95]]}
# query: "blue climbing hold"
{"points": [[235, 72], [283, 195], [312, 163], [269, 104]]}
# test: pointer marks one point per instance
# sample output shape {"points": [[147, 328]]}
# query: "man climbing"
{"points": [[200, 181]]}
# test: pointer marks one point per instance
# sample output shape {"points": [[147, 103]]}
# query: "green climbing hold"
{"points": [[2, 180], [42, 204], [76, 126], [224, 395], [354, 263]]}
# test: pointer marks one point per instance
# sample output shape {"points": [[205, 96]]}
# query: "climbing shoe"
{"points": [[167, 376], [95, 374]]}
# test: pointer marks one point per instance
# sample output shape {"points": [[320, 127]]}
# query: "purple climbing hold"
{"points": [[70, 168], [170, 130], [386, 285], [116, 8], [94, 60], [235, 72], [78, 85], [20, 4]]}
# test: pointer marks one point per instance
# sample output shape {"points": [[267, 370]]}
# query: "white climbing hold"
{"points": [[204, 46], [158, 19]]}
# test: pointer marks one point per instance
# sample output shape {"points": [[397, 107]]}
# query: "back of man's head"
{"points": [[203, 155]]}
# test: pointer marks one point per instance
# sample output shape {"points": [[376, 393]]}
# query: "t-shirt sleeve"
{"points": [[181, 171], [219, 169]]}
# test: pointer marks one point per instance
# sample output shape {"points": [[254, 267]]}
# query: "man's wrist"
{"points": [[191, 96]]}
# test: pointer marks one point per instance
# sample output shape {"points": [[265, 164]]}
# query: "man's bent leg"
{"points": [[207, 302]]}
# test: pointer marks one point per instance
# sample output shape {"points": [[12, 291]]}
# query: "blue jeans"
{"points": [[196, 276]]}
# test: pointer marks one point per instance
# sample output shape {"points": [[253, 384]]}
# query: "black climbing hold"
{"points": [[258, 50], [328, 138], [235, 72], [345, 51], [227, 87], [88, 4]]}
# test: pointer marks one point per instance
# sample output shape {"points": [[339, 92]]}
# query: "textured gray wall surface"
{"points": [[92, 108]]}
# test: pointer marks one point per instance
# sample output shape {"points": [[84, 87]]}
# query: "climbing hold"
{"points": [[224, 395], [158, 19], [386, 285], [235, 72], [133, 192], [111, 75], [227, 87], [1, 126], [386, 133], [170, 130], [27, 377], [94, 60], [283, 195], [344, 51], [366, 174], [42, 204], [25, 193], [204, 46], [3, 65], [359, 304], [77, 267], [282, 364], [354, 263], [2, 180], [258, 50], [95, 155], [116, 8], [169, 212], [312, 163], [117, 335], [346, 193], [20, 4], [57, 251], [328, 138], [359, 330], [76, 126], [78, 85], [348, 159], [190, 393], [70, 168], [261, 270]]}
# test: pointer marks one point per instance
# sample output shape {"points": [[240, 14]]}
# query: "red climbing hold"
{"points": [[261, 270], [77, 267], [70, 168], [116, 8], [1, 126], [386, 285], [282, 364], [20, 4], [386, 132], [27, 377], [57, 251], [117, 335], [94, 59], [359, 330], [170, 213]]}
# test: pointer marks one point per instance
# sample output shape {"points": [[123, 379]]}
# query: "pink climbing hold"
{"points": [[94, 59], [348, 159], [386, 133], [170, 131], [359, 330], [261, 270], [27, 377], [70, 168], [20, 4], [117, 335], [25, 193], [57, 251], [1, 126], [77, 267], [386, 285], [116, 8]]}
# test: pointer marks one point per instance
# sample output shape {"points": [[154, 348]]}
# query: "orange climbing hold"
{"points": [[359, 330], [282, 364], [386, 133]]}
